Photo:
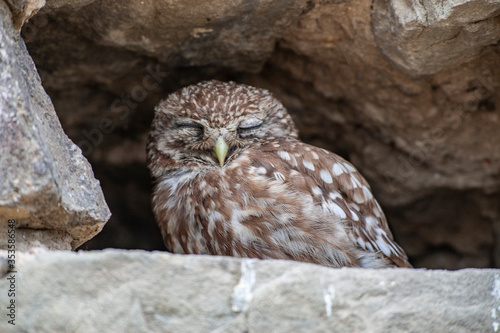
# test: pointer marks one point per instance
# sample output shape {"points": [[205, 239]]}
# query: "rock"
{"points": [[237, 35], [159, 292], [425, 37], [46, 183], [23, 10]]}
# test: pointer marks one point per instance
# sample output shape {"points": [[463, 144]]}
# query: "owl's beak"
{"points": [[221, 148]]}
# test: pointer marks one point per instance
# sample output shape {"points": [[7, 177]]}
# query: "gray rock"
{"points": [[137, 291], [425, 37], [46, 183]]}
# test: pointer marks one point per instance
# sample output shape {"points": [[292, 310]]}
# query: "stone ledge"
{"points": [[138, 291]]}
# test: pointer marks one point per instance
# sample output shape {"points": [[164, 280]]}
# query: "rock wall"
{"points": [[137, 291], [408, 92]]}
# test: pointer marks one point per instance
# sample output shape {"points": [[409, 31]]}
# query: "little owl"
{"points": [[231, 177]]}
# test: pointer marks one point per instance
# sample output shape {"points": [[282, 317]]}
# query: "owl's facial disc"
{"points": [[209, 124]]}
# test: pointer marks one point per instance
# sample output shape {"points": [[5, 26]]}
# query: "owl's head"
{"points": [[207, 124]]}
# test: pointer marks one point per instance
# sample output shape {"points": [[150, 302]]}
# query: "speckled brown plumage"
{"points": [[271, 196]]}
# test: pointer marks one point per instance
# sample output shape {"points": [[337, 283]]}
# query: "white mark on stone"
{"points": [[495, 292], [329, 297], [496, 288], [242, 293]]}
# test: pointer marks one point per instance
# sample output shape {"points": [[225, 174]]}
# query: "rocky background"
{"points": [[409, 92]]}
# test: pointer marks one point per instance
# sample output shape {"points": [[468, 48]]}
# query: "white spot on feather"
{"points": [[367, 193], [279, 176], [326, 176], [316, 190], [349, 167], [377, 210], [335, 209], [361, 242], [358, 198], [337, 169], [381, 244], [308, 164], [335, 195], [315, 156], [355, 182], [261, 171], [284, 155], [213, 217], [371, 222]]}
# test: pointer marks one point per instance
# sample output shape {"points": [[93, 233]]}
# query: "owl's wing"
{"points": [[341, 190]]}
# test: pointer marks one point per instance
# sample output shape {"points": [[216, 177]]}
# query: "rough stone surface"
{"points": [[138, 291], [425, 37], [418, 114], [23, 10], [46, 183], [236, 34]]}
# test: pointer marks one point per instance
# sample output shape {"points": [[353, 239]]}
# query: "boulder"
{"points": [[47, 187], [425, 37]]}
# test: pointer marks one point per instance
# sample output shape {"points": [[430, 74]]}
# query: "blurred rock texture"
{"points": [[409, 91]]}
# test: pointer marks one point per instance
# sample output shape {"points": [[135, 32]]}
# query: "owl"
{"points": [[231, 177]]}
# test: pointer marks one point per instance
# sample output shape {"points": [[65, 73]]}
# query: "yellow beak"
{"points": [[221, 148]]}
